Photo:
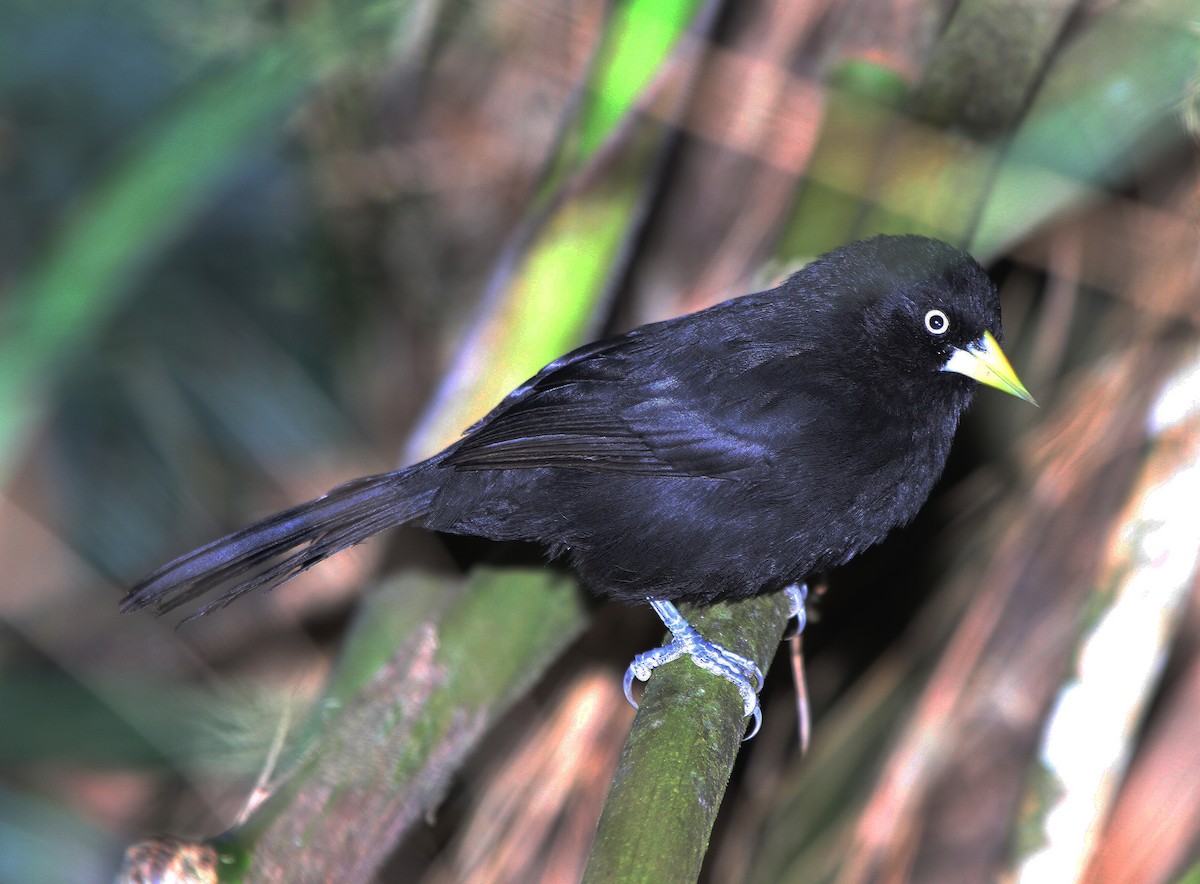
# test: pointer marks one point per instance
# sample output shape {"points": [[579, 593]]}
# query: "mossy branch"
{"points": [[677, 760], [431, 664]]}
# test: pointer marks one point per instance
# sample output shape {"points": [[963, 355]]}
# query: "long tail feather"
{"points": [[250, 558]]}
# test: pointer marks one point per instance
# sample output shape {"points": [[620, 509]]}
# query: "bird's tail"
{"points": [[269, 552]]}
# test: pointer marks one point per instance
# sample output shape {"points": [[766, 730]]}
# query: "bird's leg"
{"points": [[735, 669], [797, 595]]}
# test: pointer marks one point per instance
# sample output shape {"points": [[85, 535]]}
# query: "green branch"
{"points": [[680, 752]]}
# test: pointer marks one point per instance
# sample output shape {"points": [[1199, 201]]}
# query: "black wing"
{"points": [[647, 403]]}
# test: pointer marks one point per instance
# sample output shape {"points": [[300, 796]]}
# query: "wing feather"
{"points": [[598, 409]]}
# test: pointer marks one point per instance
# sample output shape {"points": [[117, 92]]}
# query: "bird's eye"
{"points": [[936, 322]]}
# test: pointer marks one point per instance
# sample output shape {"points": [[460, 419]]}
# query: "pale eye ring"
{"points": [[937, 322]]}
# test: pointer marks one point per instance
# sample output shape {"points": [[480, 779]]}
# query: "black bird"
{"points": [[720, 455]]}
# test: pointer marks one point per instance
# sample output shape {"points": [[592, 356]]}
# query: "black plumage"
{"points": [[719, 455]]}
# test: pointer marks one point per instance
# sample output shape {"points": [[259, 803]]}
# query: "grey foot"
{"points": [[742, 673], [797, 595]]}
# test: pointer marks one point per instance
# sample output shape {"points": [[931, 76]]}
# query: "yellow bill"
{"points": [[984, 361]]}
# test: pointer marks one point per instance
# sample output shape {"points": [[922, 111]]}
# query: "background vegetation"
{"points": [[249, 250]]}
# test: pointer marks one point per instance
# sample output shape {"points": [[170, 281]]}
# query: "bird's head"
{"points": [[922, 309]]}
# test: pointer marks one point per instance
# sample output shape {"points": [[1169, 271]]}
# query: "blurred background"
{"points": [[251, 250]]}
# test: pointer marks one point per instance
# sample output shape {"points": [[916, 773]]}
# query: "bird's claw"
{"points": [[744, 674], [796, 595], [641, 668]]}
